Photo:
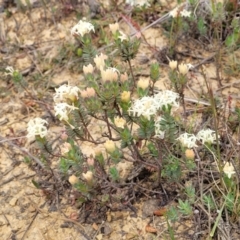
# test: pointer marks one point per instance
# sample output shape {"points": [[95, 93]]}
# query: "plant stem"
{"points": [[131, 72]]}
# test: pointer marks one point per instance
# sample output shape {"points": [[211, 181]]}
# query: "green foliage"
{"points": [[154, 72], [93, 121], [185, 207], [190, 164], [126, 137], [27, 160], [128, 48], [82, 188], [64, 165], [191, 195], [209, 202], [153, 150], [114, 174], [171, 168], [168, 125], [146, 129], [232, 39], [172, 214], [230, 201], [201, 26], [116, 156]]}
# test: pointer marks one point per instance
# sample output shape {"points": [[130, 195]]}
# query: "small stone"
{"points": [[126, 228], [149, 207], [13, 201], [99, 237], [106, 229]]}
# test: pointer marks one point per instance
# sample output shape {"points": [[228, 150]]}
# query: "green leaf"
{"points": [[114, 173]]}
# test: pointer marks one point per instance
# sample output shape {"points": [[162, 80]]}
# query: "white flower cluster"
{"points": [[37, 127], [204, 136], [62, 110], [140, 3], [188, 140], [81, 28], [64, 94], [148, 106], [178, 12]]}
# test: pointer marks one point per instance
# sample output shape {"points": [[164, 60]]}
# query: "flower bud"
{"points": [[98, 152], [114, 27], [88, 176], [123, 77], [173, 64], [110, 146], [183, 68], [73, 179], [88, 69], [64, 136], [90, 161], [189, 154], [154, 72], [143, 83], [119, 122], [109, 75], [125, 96], [100, 60]]}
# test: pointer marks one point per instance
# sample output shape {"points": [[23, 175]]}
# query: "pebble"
{"points": [[149, 207], [13, 201], [99, 237]]}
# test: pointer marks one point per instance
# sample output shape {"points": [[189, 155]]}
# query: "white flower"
{"points": [[183, 68], [189, 66], [185, 13], [73, 179], [143, 83], [88, 69], [167, 97], [122, 36], [37, 127], [174, 12], [148, 106], [88, 176], [188, 140], [114, 27], [81, 28], [100, 60], [228, 169], [158, 132], [119, 122], [145, 106], [62, 110], [9, 70], [110, 146], [173, 64], [114, 69], [110, 74], [138, 3], [65, 92], [206, 136]]}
